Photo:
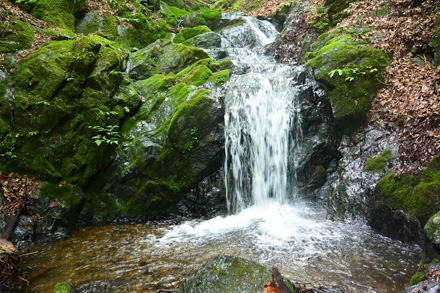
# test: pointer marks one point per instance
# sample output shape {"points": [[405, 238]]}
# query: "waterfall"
{"points": [[259, 111]]}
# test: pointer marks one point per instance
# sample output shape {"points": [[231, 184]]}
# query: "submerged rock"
{"points": [[227, 274], [64, 287]]}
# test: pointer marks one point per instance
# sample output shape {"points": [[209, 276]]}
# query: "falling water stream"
{"points": [[268, 222]]}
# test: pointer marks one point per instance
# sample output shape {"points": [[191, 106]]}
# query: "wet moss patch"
{"points": [[351, 72]]}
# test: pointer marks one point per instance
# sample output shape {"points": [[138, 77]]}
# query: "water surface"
{"points": [[299, 240]]}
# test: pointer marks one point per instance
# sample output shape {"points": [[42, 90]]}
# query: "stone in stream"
{"points": [[64, 287], [227, 274]]}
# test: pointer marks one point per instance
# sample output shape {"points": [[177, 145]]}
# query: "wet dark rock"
{"points": [[352, 186], [396, 224], [400, 205], [205, 199], [57, 209], [205, 41], [317, 146], [227, 274]]}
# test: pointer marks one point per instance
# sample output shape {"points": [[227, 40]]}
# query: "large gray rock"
{"points": [[207, 40], [227, 274], [353, 184]]}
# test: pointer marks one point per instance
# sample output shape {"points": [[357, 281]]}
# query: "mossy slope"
{"points": [[172, 142]]}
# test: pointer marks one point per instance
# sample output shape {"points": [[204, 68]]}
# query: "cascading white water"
{"points": [[261, 125], [259, 106]]}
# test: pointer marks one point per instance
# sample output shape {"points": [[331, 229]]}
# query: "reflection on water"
{"points": [[305, 247]]}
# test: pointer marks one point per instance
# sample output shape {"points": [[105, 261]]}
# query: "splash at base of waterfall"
{"points": [[298, 240]]}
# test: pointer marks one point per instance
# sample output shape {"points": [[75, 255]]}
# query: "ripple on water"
{"points": [[299, 240]]}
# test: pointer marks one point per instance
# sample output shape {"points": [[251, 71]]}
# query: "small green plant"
{"points": [[26, 1], [9, 153], [46, 103], [110, 113], [194, 139], [107, 134], [350, 73]]}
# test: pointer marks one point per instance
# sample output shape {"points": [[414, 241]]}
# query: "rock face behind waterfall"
{"points": [[315, 155]]}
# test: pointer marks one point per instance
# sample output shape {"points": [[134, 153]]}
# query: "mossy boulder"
{"points": [[188, 33], [432, 229], [178, 142], [15, 37], [350, 71], [227, 274], [207, 17], [60, 13], [401, 206], [163, 56], [206, 41], [64, 103], [431, 251], [173, 142], [138, 30]]}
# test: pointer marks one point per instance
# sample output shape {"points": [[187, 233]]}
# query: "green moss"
{"points": [[191, 107], [198, 76], [415, 194], [206, 17], [16, 37], [179, 13], [219, 78], [225, 64], [379, 163], [188, 33], [350, 71], [63, 288], [418, 277], [66, 193], [64, 89], [59, 13], [432, 229], [163, 56]]}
